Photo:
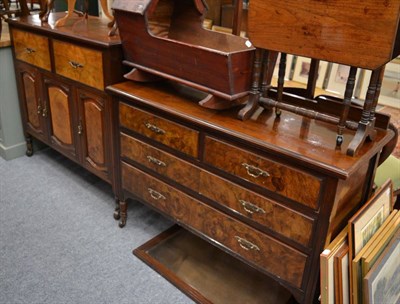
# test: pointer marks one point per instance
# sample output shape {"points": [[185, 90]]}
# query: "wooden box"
{"points": [[166, 38]]}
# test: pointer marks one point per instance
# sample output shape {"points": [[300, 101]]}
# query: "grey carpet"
{"points": [[60, 244]]}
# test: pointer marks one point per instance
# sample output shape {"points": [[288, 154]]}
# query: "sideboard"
{"points": [[61, 76], [270, 191]]}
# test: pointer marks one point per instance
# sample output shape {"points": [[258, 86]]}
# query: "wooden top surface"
{"points": [[358, 33], [92, 30], [5, 36], [288, 136]]}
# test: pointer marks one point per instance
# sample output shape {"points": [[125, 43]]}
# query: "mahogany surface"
{"points": [[339, 31], [249, 185]]}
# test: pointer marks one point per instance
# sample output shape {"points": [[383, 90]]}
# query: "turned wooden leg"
{"points": [[117, 214], [29, 146], [123, 213]]}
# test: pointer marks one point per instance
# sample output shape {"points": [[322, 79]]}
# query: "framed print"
{"points": [[372, 255], [338, 79], [369, 218], [327, 267], [302, 70], [288, 70], [341, 271], [390, 89], [382, 283]]}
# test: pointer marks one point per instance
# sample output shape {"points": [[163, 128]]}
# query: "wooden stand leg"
{"points": [[123, 213], [117, 214], [29, 146]]}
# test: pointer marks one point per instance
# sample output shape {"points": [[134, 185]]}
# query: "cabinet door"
{"points": [[60, 118], [93, 126], [29, 84]]}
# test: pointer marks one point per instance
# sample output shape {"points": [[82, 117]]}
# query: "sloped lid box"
{"points": [[166, 38]]}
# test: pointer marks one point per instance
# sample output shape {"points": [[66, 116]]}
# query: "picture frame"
{"points": [[302, 69], [362, 227], [382, 281], [337, 80], [342, 276], [356, 274], [390, 83], [327, 267], [370, 217], [288, 71]]}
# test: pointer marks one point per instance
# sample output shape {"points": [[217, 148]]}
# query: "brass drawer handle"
{"points": [[254, 171], [245, 244], [154, 128], [39, 110], [156, 161], [74, 64], [30, 50], [156, 195], [251, 208]]}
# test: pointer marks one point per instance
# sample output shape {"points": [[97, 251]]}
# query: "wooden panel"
{"points": [[94, 128], [164, 131], [161, 162], [78, 63], [274, 176], [33, 106], [32, 48], [343, 31], [259, 209], [60, 115], [259, 249]]}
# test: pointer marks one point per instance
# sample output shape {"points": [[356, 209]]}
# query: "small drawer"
{"points": [[164, 131], [32, 48], [259, 249], [78, 63], [259, 209], [284, 180], [160, 161]]}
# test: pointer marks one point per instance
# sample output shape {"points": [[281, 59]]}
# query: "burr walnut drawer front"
{"points": [[82, 64], [160, 161], [32, 48], [259, 249], [284, 180], [169, 133], [262, 210]]}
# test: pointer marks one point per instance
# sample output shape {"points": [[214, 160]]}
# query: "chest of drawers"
{"points": [[265, 190]]}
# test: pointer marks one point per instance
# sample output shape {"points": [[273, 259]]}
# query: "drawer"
{"points": [[284, 180], [32, 48], [262, 210], [79, 63], [160, 161], [164, 131], [257, 248]]}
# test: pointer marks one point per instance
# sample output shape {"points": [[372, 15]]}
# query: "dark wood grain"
{"points": [[339, 31], [160, 162], [267, 212], [315, 151], [282, 179], [166, 132], [278, 259]]}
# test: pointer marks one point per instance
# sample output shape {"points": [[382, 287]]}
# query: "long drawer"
{"points": [[274, 176], [168, 133], [259, 249], [257, 208], [32, 48]]}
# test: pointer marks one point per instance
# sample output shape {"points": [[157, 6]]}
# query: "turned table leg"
{"points": [[29, 146], [123, 213]]}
